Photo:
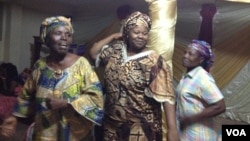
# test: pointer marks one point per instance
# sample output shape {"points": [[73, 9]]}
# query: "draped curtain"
{"points": [[229, 19], [162, 35], [231, 72], [237, 96], [231, 55], [231, 28], [207, 12]]}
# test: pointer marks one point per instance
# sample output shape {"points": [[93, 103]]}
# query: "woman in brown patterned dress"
{"points": [[137, 82]]}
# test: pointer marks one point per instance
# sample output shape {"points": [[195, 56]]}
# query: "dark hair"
{"points": [[11, 74], [123, 11], [10, 69]]}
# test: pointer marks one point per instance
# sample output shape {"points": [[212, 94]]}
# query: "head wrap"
{"points": [[205, 51], [51, 23], [134, 19]]}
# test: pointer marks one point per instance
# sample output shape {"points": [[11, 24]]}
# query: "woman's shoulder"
{"points": [[115, 45], [150, 57], [153, 53], [203, 75], [82, 61], [40, 63], [115, 48]]}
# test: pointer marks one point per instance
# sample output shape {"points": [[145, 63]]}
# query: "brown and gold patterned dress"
{"points": [[135, 87]]}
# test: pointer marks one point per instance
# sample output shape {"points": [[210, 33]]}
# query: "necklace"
{"points": [[58, 72]]}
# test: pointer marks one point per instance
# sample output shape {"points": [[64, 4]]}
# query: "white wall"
{"points": [[3, 24], [20, 24]]}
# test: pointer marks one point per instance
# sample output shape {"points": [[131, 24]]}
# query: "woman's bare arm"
{"points": [[96, 48], [210, 111], [172, 133]]}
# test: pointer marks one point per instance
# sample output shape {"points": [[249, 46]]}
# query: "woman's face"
{"points": [[191, 58], [138, 37], [59, 40]]}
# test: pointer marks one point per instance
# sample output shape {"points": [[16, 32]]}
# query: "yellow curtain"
{"points": [[163, 14], [230, 57], [246, 1], [162, 34]]}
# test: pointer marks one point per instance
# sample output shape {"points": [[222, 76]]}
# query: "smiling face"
{"points": [[137, 38], [191, 58], [59, 40]]}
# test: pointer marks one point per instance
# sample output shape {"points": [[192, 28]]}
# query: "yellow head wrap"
{"points": [[51, 23]]}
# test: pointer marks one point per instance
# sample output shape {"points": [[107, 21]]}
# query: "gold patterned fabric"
{"points": [[163, 14], [133, 94]]}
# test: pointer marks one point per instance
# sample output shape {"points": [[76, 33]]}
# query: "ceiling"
{"points": [[89, 4], [188, 12], [105, 5]]}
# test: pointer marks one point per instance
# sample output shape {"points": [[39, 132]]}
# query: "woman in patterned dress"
{"points": [[137, 82], [63, 92], [198, 97]]}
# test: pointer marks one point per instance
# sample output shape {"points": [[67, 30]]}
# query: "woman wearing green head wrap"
{"points": [[63, 92]]}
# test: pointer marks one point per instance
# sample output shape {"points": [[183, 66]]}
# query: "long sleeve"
{"points": [[25, 105], [90, 102]]}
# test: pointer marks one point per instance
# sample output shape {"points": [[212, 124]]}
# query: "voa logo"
{"points": [[236, 132]]}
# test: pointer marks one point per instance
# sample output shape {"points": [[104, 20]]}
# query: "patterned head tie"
{"points": [[51, 23], [135, 19], [205, 51]]}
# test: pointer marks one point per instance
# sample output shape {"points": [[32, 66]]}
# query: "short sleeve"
{"points": [[102, 57], [113, 50], [160, 85], [26, 99], [210, 92]]}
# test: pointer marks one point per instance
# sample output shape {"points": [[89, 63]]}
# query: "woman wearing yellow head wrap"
{"points": [[63, 92], [51, 23]]}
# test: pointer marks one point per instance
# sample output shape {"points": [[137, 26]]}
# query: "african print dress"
{"points": [[135, 87], [79, 85]]}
